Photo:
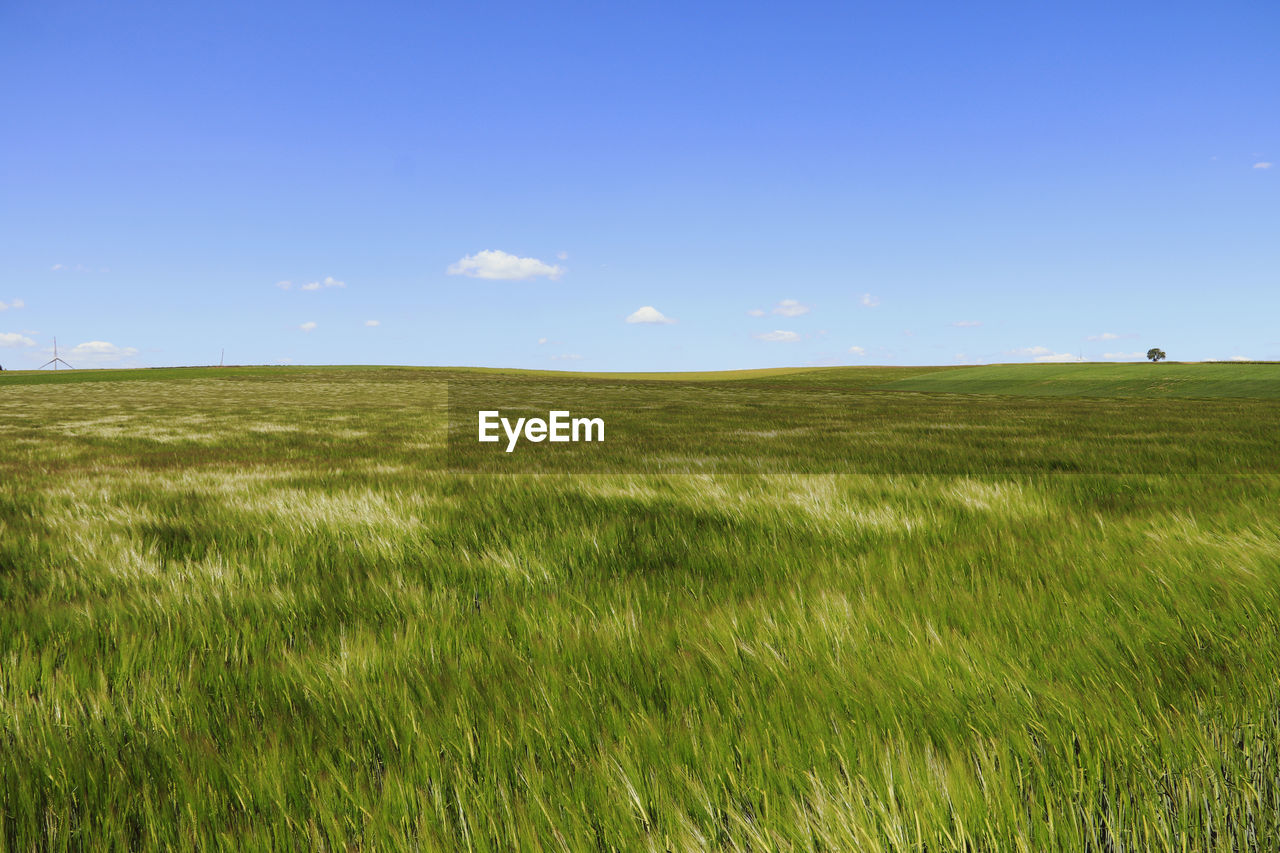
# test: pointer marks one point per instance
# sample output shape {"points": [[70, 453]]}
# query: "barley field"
{"points": [[1016, 608]]}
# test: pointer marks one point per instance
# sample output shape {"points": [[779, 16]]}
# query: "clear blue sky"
{"points": [[1062, 178]]}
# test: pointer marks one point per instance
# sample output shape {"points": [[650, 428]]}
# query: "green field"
{"points": [[1006, 608]]}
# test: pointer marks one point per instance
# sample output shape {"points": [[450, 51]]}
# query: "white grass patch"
{"points": [[397, 512], [1007, 499]]}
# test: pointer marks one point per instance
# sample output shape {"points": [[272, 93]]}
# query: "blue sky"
{"points": [[506, 185]]}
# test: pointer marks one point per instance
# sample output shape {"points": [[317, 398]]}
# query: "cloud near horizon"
{"points": [[498, 265], [648, 314], [1123, 356], [96, 353], [1044, 354], [856, 350], [13, 339]]}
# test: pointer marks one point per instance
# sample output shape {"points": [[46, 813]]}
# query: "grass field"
{"points": [[1012, 608]]}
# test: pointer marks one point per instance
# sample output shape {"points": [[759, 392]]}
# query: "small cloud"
{"points": [[15, 304], [308, 326], [326, 282], [648, 314], [58, 267], [790, 308], [499, 265], [372, 323], [777, 336], [98, 353], [1044, 354], [1123, 356], [855, 350], [13, 339], [967, 324], [541, 341], [1105, 336], [869, 301], [284, 285], [569, 356], [563, 256], [1239, 358], [756, 312], [1262, 165]]}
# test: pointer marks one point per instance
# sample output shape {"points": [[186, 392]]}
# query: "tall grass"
{"points": [[293, 610]]}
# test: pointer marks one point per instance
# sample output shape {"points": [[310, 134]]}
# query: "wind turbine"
{"points": [[55, 361]]}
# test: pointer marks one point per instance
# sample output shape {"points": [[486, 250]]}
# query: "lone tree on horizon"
{"points": [[1155, 354]]}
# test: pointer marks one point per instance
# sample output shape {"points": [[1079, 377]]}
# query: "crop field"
{"points": [[1011, 608]]}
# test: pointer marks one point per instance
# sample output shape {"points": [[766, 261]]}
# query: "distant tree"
{"points": [[1155, 354]]}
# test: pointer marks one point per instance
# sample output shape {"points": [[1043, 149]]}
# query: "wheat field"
{"points": [[821, 610]]}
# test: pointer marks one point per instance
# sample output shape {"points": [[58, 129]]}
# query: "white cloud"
{"points": [[284, 285], [496, 264], [858, 350], [967, 324], [15, 304], [569, 356], [1262, 165], [1123, 356], [564, 256], [541, 341], [97, 353], [778, 336], [1044, 354], [308, 326], [870, 301], [372, 323], [648, 314], [326, 282], [1105, 336], [57, 267], [790, 308], [13, 339], [756, 312], [1239, 358]]}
